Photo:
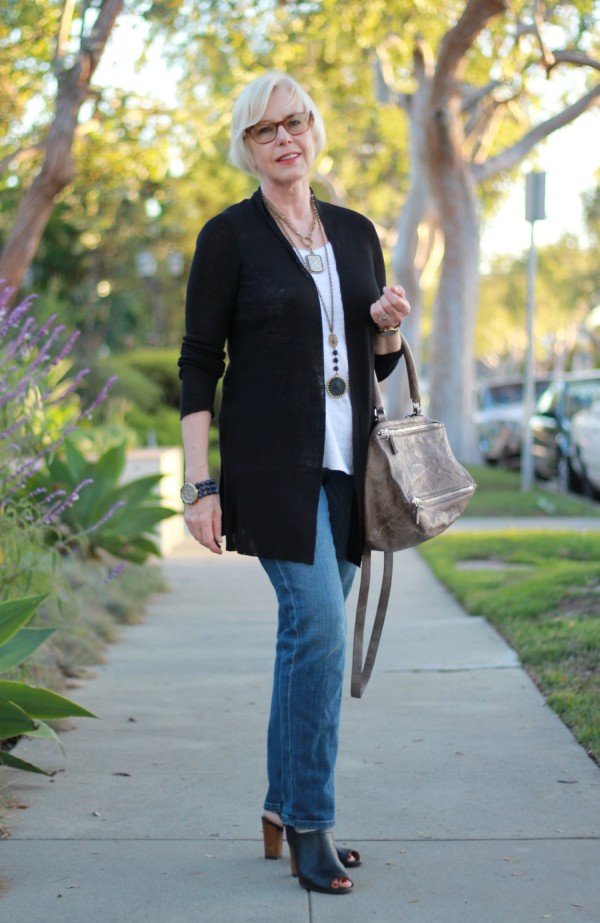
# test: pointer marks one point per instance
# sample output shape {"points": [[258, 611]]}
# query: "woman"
{"points": [[296, 289]]}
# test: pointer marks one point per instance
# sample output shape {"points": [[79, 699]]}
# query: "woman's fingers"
{"points": [[391, 308], [203, 519]]}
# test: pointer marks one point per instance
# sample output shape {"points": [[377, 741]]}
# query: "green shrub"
{"points": [[160, 366], [161, 427], [132, 385]]}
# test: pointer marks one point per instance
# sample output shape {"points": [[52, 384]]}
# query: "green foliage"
{"points": [[160, 366], [145, 377], [24, 708], [144, 398], [567, 288], [541, 590], [161, 427], [109, 516]]}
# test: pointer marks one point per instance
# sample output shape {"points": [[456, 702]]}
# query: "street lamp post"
{"points": [[535, 193]]}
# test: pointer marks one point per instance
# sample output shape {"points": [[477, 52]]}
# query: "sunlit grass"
{"points": [[499, 494], [548, 611]]}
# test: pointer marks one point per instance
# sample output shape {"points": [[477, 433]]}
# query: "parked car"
{"points": [[551, 426], [585, 447], [499, 419]]}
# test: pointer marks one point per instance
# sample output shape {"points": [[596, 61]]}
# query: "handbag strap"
{"points": [[362, 673]]}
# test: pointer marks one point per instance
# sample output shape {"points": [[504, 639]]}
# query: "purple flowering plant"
{"points": [[78, 501], [39, 408]]}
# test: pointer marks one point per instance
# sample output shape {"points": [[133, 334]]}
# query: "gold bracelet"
{"points": [[388, 331]]}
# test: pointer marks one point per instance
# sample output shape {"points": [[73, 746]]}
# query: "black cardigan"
{"points": [[246, 289]]}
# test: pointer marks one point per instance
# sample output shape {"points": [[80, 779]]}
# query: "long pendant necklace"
{"points": [[336, 386], [313, 261]]}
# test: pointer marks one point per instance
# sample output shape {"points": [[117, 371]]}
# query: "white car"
{"points": [[585, 447]]}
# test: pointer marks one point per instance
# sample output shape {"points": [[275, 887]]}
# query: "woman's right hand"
{"points": [[203, 519]]}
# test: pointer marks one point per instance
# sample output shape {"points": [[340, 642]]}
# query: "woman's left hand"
{"points": [[391, 308]]}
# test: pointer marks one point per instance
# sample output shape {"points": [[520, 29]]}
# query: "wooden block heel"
{"points": [[273, 839]]}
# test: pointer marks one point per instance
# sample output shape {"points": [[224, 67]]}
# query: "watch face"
{"points": [[189, 493]]}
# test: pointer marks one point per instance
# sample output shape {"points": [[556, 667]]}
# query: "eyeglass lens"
{"points": [[295, 124]]}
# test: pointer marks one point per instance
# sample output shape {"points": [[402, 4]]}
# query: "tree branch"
{"points": [[471, 96], [384, 94], [510, 157], [19, 155], [95, 44], [65, 28], [456, 43], [567, 56]]}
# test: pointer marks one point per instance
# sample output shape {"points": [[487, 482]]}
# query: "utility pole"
{"points": [[535, 195]]}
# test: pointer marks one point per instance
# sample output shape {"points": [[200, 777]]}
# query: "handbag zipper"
{"points": [[390, 433], [419, 502]]}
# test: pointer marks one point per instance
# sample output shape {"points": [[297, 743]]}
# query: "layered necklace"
{"points": [[314, 263], [336, 386]]}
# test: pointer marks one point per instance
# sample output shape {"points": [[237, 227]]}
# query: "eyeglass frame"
{"points": [[310, 123]]}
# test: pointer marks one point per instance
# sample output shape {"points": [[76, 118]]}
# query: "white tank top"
{"points": [[337, 455]]}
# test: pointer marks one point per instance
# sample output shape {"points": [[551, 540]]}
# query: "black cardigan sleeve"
{"points": [[386, 362], [210, 301]]}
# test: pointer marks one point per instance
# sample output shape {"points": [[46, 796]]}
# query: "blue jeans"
{"points": [[308, 679]]}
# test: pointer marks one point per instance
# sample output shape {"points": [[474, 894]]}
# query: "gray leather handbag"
{"points": [[414, 489]]}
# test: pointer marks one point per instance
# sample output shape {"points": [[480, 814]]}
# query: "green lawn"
{"points": [[499, 494], [542, 592]]}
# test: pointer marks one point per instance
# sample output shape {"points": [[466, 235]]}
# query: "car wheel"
{"points": [[567, 478], [587, 488]]}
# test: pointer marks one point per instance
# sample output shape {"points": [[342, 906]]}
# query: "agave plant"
{"points": [[25, 709], [118, 518]]}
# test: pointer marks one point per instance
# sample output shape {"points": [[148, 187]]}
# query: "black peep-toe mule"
{"points": [[273, 843], [314, 860], [350, 858]]}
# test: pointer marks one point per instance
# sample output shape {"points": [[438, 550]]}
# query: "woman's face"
{"points": [[288, 158]]}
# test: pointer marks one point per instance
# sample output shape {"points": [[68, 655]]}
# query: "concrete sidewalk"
{"points": [[467, 797]]}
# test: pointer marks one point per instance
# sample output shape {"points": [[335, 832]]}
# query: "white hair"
{"points": [[250, 107]]}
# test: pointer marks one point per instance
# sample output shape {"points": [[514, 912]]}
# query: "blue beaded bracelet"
{"points": [[207, 487]]}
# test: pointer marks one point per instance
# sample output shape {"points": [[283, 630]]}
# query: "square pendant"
{"points": [[314, 262]]}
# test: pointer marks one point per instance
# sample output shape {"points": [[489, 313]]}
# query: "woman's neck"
{"points": [[291, 201]]}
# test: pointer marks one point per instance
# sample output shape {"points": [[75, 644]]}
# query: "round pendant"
{"points": [[333, 340], [336, 386]]}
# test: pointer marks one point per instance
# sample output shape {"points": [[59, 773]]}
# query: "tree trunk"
{"points": [[38, 201], [406, 267], [57, 169], [455, 310]]}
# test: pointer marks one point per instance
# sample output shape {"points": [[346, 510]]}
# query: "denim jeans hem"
{"points": [[308, 824], [271, 806]]}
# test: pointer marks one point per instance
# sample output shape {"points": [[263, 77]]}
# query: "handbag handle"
{"points": [[413, 385]]}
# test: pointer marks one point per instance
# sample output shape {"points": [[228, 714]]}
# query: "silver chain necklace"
{"points": [[313, 261], [336, 386]]}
